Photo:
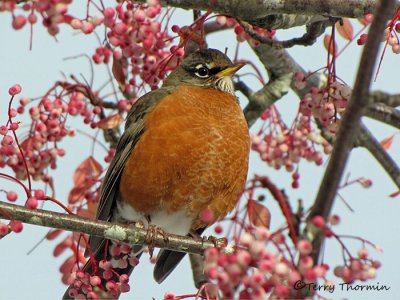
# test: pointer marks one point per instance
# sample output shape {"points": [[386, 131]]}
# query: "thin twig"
{"points": [[350, 125]]}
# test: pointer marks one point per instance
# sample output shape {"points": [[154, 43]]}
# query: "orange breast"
{"points": [[192, 155]]}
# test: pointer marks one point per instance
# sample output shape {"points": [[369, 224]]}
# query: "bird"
{"points": [[184, 150]]}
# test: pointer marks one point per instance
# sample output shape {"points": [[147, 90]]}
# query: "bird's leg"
{"points": [[151, 235]]}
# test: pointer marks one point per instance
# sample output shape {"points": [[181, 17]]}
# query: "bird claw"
{"points": [[151, 235], [218, 242]]}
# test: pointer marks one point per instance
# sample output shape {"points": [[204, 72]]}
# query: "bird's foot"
{"points": [[151, 235]]}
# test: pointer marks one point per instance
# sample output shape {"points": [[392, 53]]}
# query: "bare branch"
{"points": [[132, 235], [285, 21], [313, 31], [255, 9], [350, 125], [367, 140], [197, 263], [384, 113], [388, 99], [268, 95]]}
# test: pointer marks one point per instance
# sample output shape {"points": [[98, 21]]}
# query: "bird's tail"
{"points": [[167, 260], [103, 278]]}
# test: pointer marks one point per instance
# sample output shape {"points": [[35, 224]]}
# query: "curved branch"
{"points": [[368, 141], [388, 99], [265, 97], [131, 235], [384, 113], [350, 125], [313, 31]]}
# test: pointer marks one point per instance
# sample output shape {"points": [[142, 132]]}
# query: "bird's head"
{"points": [[206, 68]]}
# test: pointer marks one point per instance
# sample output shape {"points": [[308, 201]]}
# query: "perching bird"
{"points": [[185, 149]]}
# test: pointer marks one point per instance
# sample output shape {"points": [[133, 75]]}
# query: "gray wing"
{"points": [[134, 128]]}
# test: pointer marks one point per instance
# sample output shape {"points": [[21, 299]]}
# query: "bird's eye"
{"points": [[202, 72]]}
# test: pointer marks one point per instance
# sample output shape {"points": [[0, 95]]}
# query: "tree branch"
{"points": [[384, 113], [255, 9], [368, 141], [388, 99], [313, 31], [197, 263], [133, 235], [268, 95], [350, 125]]}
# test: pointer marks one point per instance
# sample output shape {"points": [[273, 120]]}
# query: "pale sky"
{"points": [[375, 215]]}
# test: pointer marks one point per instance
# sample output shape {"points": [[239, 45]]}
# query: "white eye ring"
{"points": [[202, 71]]}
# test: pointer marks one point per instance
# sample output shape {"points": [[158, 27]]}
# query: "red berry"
{"points": [[12, 196]]}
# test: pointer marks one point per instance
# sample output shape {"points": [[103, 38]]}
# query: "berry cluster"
{"points": [[138, 42], [53, 13], [105, 282], [390, 35], [283, 147], [253, 271], [326, 104]]}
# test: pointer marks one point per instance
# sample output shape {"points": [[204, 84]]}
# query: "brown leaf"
{"points": [[345, 30], [118, 72], [51, 235], [110, 121], [27, 144], [77, 194], [89, 168], [394, 195], [330, 46], [259, 215], [387, 143]]}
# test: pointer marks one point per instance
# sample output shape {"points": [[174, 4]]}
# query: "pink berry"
{"points": [[18, 22], [12, 196], [32, 203], [16, 226], [3, 229], [7, 140], [318, 221], [15, 89], [3, 130], [39, 194], [14, 126], [304, 247]]}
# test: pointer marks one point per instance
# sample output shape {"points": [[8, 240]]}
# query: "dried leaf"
{"points": [[387, 143], [395, 194], [27, 144], [68, 264], [110, 121], [330, 45], [86, 213], [51, 235], [92, 208], [61, 247], [345, 30], [76, 194], [259, 215], [118, 72], [89, 168]]}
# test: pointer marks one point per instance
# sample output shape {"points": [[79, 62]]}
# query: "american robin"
{"points": [[185, 149]]}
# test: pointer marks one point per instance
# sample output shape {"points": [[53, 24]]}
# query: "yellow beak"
{"points": [[230, 70]]}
